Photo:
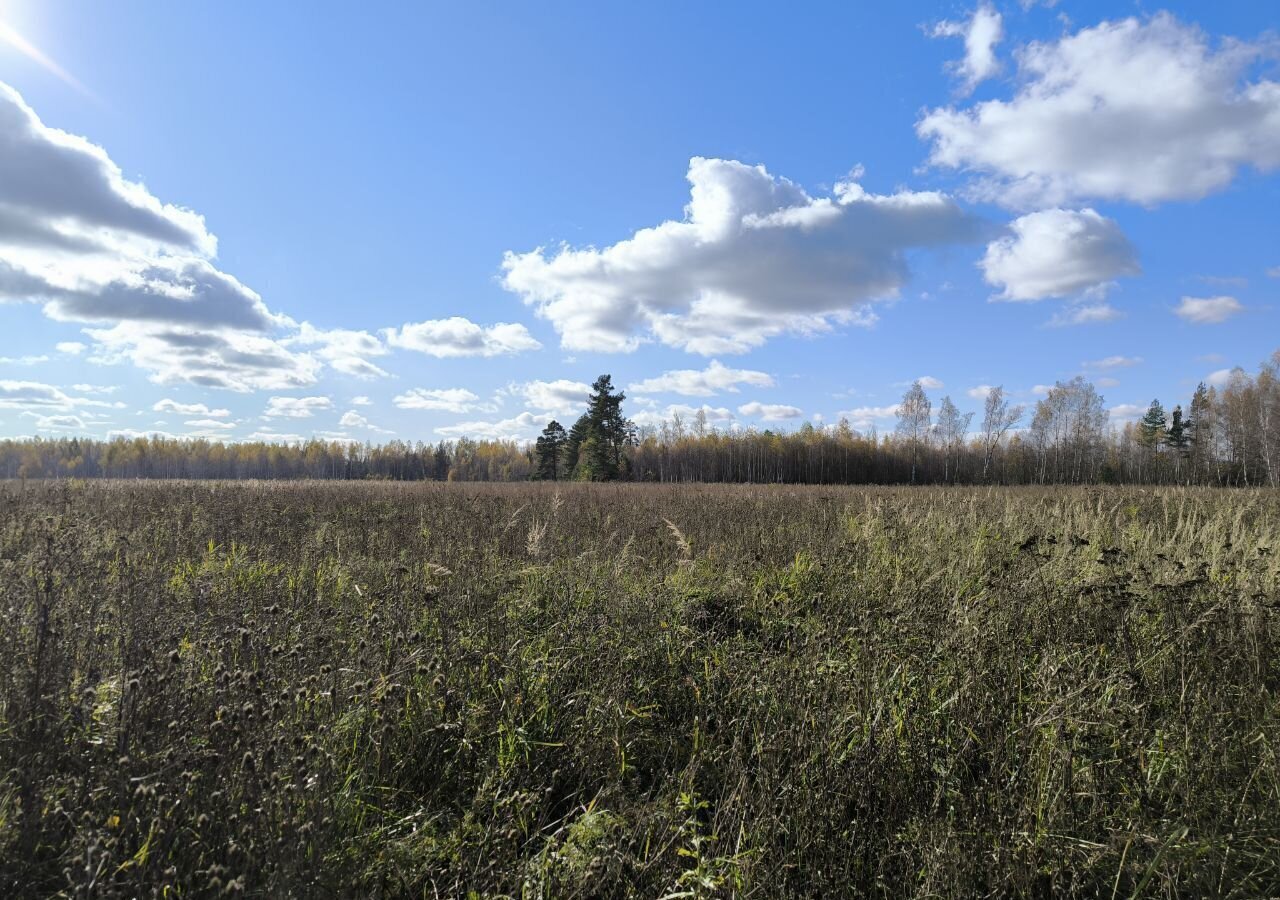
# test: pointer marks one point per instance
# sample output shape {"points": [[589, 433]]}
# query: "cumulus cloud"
{"points": [[455, 400], [457, 337], [1219, 378], [97, 249], [33, 395], [361, 401], [295, 407], [23, 360], [276, 437], [770, 412], [562, 396], [714, 415], [1126, 411], [1208, 310], [1057, 253], [353, 419], [518, 428], [168, 405], [863, 417], [58, 190], [59, 423], [210, 424], [71, 348], [754, 257], [229, 360], [1144, 110], [929, 383], [980, 391], [981, 33], [344, 349], [707, 382]]}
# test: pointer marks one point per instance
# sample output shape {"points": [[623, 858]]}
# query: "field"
{"points": [[628, 690]]}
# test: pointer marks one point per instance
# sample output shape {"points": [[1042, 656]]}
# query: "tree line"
{"points": [[1227, 434]]}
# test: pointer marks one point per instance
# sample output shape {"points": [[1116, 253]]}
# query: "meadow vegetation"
{"points": [[567, 690]]}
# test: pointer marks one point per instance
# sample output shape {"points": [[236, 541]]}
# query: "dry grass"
{"points": [[541, 691]]}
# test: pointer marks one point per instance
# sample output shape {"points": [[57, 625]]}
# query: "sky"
{"points": [[418, 221]]}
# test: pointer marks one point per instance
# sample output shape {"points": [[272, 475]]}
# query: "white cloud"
{"points": [[1085, 314], [1056, 253], [1219, 378], [981, 34], [59, 423], [1273, 272], [353, 419], [518, 428], [71, 348], [295, 407], [1041, 390], [1138, 109], [754, 257], [707, 382], [1106, 382], [228, 360], [929, 383], [863, 417], [361, 401], [1114, 362], [168, 405], [456, 400], [980, 392], [95, 248], [769, 412], [33, 395], [276, 437], [344, 349], [131, 434], [1126, 411], [715, 415], [95, 388], [1208, 310], [23, 360], [562, 396], [458, 337], [208, 424]]}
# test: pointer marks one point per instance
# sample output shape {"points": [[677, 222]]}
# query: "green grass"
{"points": [[585, 691]]}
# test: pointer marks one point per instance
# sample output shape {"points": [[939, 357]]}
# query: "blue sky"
{"points": [[242, 220]]}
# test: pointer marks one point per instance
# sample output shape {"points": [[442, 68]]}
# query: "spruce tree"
{"points": [[608, 432], [1151, 430], [578, 435], [1178, 436], [548, 450]]}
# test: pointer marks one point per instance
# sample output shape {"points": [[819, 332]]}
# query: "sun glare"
{"points": [[12, 37]]}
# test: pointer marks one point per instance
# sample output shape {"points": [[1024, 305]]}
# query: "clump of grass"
{"points": [[328, 689]]}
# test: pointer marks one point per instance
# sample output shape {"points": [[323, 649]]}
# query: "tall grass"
{"points": [[583, 691]]}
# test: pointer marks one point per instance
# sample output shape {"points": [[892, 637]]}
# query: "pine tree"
{"points": [[548, 450]]}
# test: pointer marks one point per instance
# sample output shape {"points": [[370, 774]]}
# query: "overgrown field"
{"points": [[601, 690]]}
